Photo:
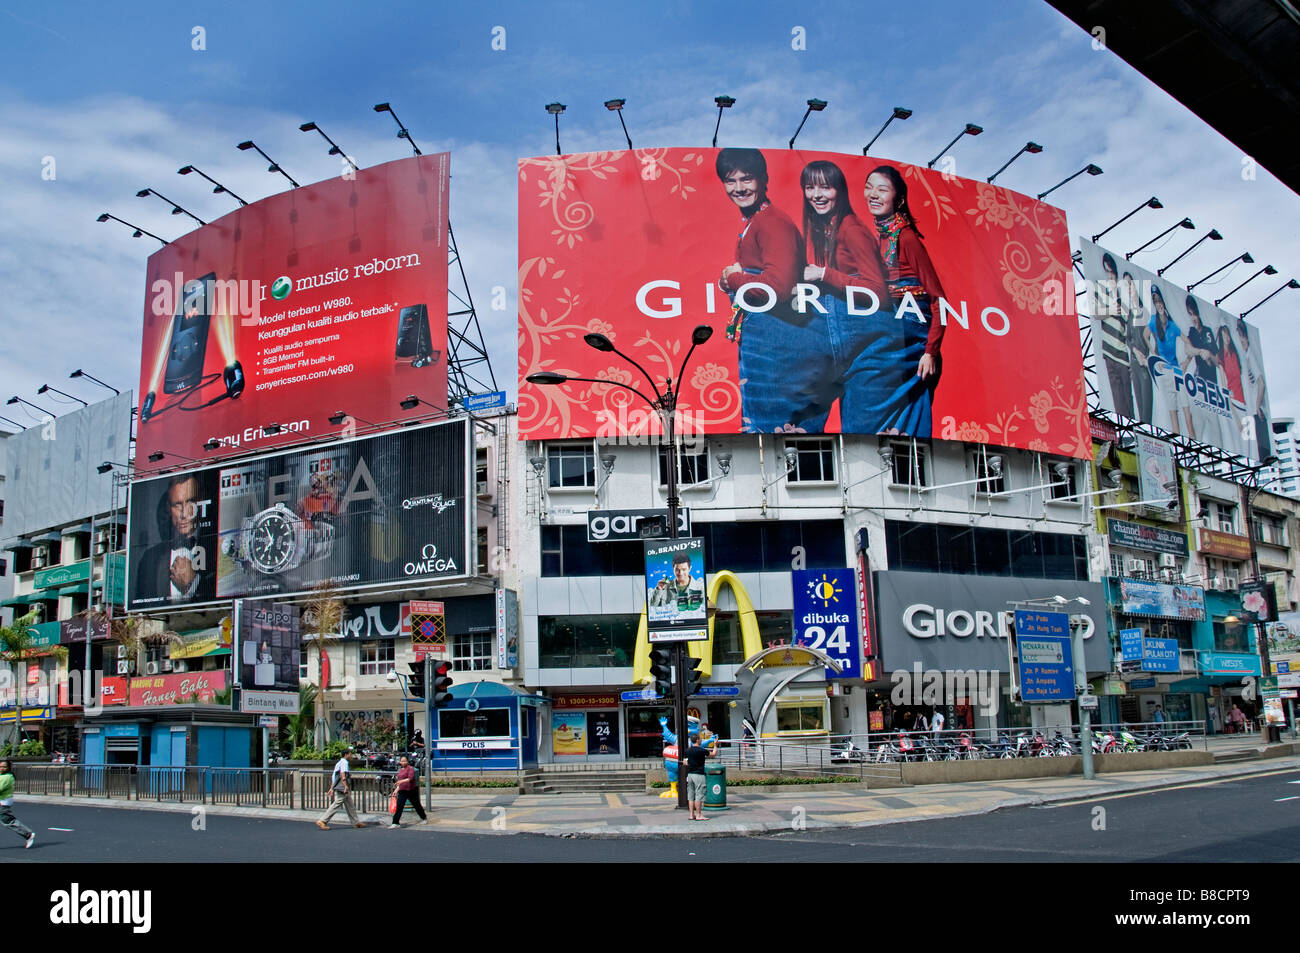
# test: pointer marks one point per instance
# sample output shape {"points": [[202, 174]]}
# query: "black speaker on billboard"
{"points": [[189, 341], [414, 339]]}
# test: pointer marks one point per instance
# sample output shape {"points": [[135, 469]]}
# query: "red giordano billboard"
{"points": [[846, 293], [324, 298]]}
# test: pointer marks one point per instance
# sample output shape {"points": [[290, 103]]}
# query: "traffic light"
{"points": [[661, 666], [441, 682], [693, 676], [415, 681]]}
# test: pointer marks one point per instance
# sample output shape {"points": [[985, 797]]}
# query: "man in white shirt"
{"points": [[340, 787], [936, 723]]}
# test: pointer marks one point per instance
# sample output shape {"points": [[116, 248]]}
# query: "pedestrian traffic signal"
{"points": [[693, 676], [441, 682], [661, 665], [415, 682]]}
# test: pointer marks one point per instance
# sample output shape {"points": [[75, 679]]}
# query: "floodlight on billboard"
{"points": [[372, 511], [858, 295], [331, 295], [1172, 360]]}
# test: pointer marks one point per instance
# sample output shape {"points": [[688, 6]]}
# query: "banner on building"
{"points": [[268, 646], [1156, 599], [676, 609], [1173, 360], [1157, 478], [826, 616], [1155, 539], [327, 296], [363, 512], [975, 290]]}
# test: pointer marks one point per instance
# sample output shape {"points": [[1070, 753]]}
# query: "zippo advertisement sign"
{"points": [[363, 512], [324, 297], [845, 293]]}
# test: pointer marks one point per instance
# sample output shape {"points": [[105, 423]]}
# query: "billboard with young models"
{"points": [[351, 514], [846, 294], [330, 297], [1173, 360]]}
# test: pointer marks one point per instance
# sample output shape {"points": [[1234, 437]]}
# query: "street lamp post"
{"points": [[665, 406]]}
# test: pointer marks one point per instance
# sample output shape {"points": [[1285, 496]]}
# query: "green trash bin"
{"points": [[715, 787]]}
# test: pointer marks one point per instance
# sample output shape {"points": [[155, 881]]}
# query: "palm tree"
{"points": [[133, 633], [300, 725], [18, 646], [322, 617]]}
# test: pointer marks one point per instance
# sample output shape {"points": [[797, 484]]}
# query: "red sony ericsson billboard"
{"points": [[324, 298], [847, 294], [372, 511]]}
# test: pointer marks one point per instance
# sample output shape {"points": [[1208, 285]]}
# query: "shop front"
{"points": [[488, 726], [944, 646]]}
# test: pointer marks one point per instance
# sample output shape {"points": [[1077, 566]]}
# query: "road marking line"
{"points": [[1175, 787], [65, 829], [613, 800], [1294, 797]]}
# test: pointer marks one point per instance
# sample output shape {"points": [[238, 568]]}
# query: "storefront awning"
{"points": [[15, 601], [48, 538], [77, 590], [80, 528], [21, 544]]}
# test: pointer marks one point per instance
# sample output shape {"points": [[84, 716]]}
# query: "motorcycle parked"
{"points": [[848, 753]]}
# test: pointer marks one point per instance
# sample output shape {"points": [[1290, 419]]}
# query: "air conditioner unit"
{"points": [[1216, 582], [1169, 575], [121, 651], [101, 543], [1230, 583], [1168, 561], [481, 488], [39, 559], [180, 665], [166, 665], [123, 667], [1132, 566], [151, 668]]}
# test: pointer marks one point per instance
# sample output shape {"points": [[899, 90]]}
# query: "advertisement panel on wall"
{"points": [[52, 478], [269, 643], [826, 616], [1150, 538], [1173, 360], [326, 296], [940, 322], [362, 512], [1138, 597], [1157, 477], [955, 623]]}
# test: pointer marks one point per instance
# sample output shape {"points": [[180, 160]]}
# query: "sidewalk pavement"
{"points": [[748, 811]]}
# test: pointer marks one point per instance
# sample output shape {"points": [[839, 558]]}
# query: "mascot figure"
{"points": [[693, 726]]}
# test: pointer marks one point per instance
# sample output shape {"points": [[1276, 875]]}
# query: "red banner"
{"points": [[113, 690], [326, 298], [177, 689], [851, 317]]}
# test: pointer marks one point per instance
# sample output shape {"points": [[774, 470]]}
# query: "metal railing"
{"points": [[823, 759]]}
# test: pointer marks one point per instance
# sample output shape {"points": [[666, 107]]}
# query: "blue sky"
{"points": [[120, 100]]}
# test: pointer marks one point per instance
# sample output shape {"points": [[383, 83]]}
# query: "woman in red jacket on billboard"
{"points": [[914, 287]]}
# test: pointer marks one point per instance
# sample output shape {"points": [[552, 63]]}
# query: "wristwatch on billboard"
{"points": [[278, 540]]}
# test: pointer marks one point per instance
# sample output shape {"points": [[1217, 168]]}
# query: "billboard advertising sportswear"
{"points": [[1174, 361], [364, 512], [846, 293], [327, 297]]}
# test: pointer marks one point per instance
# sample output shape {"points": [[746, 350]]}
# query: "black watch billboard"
{"points": [[350, 514]]}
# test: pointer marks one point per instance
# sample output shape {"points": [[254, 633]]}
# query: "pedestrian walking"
{"points": [[340, 787], [1237, 718], [7, 817], [936, 723], [406, 789], [1158, 716]]}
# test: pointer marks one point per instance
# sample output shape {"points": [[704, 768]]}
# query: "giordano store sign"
{"points": [[954, 623]]}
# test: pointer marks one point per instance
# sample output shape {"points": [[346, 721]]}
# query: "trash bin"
{"points": [[715, 787]]}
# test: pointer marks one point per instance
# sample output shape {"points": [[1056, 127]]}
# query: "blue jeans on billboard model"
{"points": [[794, 369]]}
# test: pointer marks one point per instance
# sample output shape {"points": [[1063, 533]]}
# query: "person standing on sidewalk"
{"points": [[407, 789], [936, 723], [341, 788], [696, 755], [7, 817]]}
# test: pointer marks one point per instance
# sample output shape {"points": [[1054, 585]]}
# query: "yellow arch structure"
{"points": [[749, 638]]}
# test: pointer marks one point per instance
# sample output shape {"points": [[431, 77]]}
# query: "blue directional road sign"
{"points": [[1046, 657], [1160, 655]]}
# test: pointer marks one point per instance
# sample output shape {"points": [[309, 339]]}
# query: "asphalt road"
{"points": [[1252, 819]]}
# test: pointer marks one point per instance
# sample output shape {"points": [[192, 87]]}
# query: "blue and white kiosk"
{"points": [[487, 726]]}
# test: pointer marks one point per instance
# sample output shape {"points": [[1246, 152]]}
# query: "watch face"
{"points": [[273, 541]]}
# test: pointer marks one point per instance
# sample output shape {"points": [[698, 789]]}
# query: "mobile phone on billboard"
{"points": [[189, 343], [413, 337]]}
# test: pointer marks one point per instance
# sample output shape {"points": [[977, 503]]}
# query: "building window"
{"points": [[1222, 573], [1231, 636], [472, 652], [302, 664], [908, 464], [961, 549], [1060, 481], [814, 461], [692, 467], [481, 549], [1270, 529], [1223, 517], [586, 641], [481, 472], [378, 658], [988, 470], [571, 465], [801, 716]]}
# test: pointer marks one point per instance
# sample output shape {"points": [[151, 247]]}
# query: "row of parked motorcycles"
{"points": [[1031, 743]]}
